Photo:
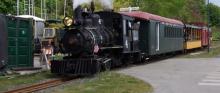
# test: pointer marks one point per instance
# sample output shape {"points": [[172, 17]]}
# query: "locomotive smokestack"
{"points": [[78, 15], [92, 6]]}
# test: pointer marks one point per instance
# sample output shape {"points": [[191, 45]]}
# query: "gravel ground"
{"points": [[182, 75]]}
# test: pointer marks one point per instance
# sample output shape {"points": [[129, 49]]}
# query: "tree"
{"points": [[214, 14], [6, 6]]}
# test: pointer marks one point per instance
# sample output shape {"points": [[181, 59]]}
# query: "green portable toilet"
{"points": [[20, 42]]}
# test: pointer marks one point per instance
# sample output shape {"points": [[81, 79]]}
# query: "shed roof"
{"points": [[148, 16], [30, 16]]}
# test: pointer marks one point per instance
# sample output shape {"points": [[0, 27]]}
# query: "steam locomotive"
{"points": [[96, 41]]}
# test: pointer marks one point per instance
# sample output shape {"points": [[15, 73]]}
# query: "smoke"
{"points": [[108, 4], [76, 3]]}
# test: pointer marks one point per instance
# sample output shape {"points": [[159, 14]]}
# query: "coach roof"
{"points": [[148, 16]]}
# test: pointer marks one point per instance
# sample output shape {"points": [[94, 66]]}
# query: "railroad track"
{"points": [[40, 86]]}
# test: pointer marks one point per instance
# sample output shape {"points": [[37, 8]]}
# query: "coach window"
{"points": [[180, 32], [200, 34], [176, 33], [196, 30], [173, 30], [129, 28], [190, 34], [157, 36], [169, 32], [187, 34], [165, 31], [136, 27], [195, 34]]}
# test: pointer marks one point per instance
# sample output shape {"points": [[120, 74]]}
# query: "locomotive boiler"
{"points": [[86, 34]]}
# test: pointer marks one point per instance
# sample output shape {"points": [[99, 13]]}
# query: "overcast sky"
{"points": [[216, 2]]}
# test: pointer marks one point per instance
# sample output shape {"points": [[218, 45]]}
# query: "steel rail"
{"points": [[40, 86]]}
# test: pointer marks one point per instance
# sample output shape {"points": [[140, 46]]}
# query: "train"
{"points": [[96, 41]]}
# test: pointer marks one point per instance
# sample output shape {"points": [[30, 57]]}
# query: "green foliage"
{"points": [[184, 10], [216, 33], [6, 6], [214, 13]]}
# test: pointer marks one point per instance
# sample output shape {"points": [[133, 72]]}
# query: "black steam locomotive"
{"points": [[96, 41]]}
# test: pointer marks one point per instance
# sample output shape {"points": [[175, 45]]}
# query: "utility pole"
{"points": [[18, 7], [137, 3], [208, 22], [56, 9], [45, 10], [41, 8], [32, 7], [64, 9], [24, 7], [29, 7]]}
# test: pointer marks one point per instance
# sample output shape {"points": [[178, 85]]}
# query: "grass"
{"points": [[109, 82], [10, 82], [214, 52]]}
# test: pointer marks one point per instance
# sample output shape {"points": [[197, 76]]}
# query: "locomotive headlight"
{"points": [[68, 21]]}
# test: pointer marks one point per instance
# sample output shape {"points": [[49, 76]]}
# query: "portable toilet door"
{"points": [[3, 43]]}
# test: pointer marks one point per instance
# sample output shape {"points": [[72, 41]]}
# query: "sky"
{"points": [[216, 2]]}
